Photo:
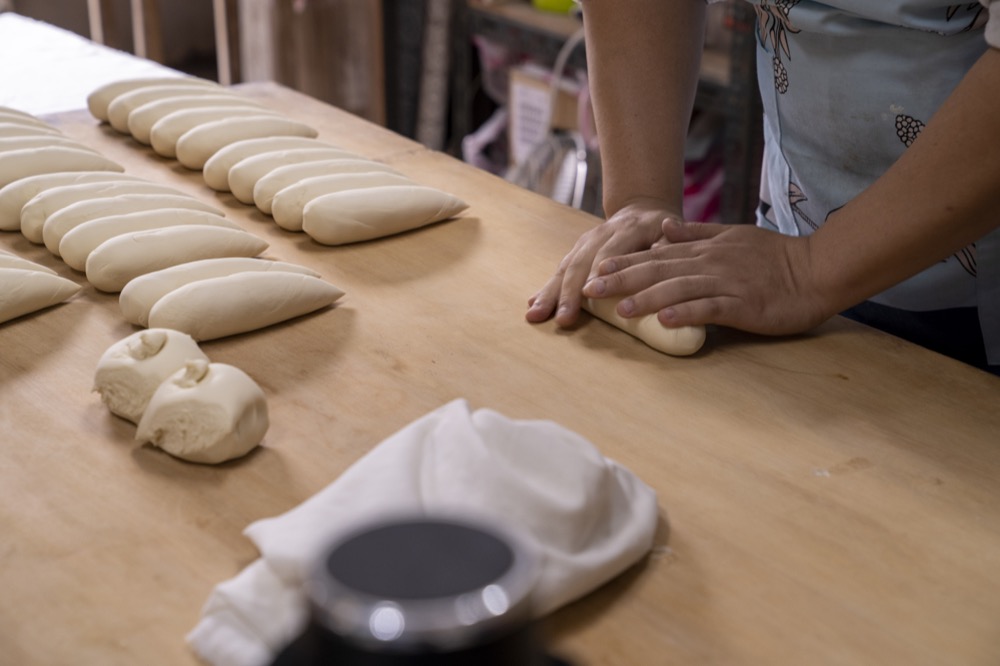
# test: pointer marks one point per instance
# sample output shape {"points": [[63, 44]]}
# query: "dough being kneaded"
{"points": [[206, 413], [682, 341], [131, 370]]}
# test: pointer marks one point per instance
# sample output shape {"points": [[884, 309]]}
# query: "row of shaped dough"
{"points": [[271, 161], [117, 227], [304, 184]]}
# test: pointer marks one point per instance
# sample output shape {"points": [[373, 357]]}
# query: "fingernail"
{"points": [[610, 266], [627, 306], [596, 287]]}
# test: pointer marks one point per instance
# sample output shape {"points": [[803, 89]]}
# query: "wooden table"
{"points": [[831, 498]]}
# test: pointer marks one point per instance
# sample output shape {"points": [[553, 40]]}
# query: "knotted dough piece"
{"points": [[206, 413], [359, 215], [27, 289], [217, 307], [131, 370], [682, 341]]}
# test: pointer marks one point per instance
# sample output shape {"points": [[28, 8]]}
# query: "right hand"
{"points": [[635, 227]]}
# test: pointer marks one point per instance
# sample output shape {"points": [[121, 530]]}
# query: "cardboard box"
{"points": [[530, 102]]}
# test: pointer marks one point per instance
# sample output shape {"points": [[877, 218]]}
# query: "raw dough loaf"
{"points": [[142, 118], [7, 116], [18, 164], [99, 99], [243, 176], [13, 128], [196, 146], [206, 413], [682, 341], [25, 290], [216, 169], [16, 113], [10, 143], [11, 260], [131, 370], [80, 241], [59, 223], [217, 307], [282, 177], [44, 204], [15, 195], [360, 215], [288, 204], [119, 259], [139, 296], [164, 134], [124, 104]]}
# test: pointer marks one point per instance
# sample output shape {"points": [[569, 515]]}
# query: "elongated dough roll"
{"points": [[243, 176], [59, 223], [77, 244], [100, 98], [206, 413], [18, 164], [139, 296], [288, 204], [121, 258], [360, 215], [682, 341], [196, 146], [124, 104], [164, 134], [12, 128], [22, 119], [246, 301], [16, 194], [130, 371], [142, 118], [44, 204], [26, 290], [11, 260], [10, 143], [17, 113], [216, 169], [278, 179]]}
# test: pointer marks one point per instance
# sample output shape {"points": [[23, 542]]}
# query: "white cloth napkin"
{"points": [[588, 517]]}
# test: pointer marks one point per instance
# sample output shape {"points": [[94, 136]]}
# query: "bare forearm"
{"points": [[941, 195], [643, 59]]}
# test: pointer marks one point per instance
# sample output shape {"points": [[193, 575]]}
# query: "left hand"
{"points": [[734, 275]]}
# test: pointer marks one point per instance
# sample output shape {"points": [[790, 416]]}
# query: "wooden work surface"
{"points": [[832, 498]]}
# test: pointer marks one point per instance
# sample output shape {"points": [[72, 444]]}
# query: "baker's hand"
{"points": [[637, 226], [734, 275]]}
